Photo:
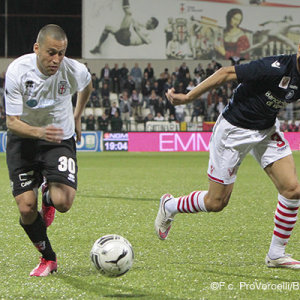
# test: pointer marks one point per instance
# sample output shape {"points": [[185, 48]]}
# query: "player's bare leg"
{"points": [[283, 174], [62, 196]]}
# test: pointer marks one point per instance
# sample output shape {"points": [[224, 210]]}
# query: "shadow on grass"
{"points": [[119, 197], [105, 289], [255, 277]]}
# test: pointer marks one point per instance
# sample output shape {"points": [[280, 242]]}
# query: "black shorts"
{"points": [[29, 160], [123, 36]]}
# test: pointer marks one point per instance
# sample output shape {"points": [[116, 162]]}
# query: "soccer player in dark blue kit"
{"points": [[248, 124]]}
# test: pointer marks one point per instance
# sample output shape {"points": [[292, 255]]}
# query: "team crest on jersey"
{"points": [[284, 82], [62, 87], [290, 95]]}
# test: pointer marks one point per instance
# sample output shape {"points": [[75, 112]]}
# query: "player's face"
{"points": [[50, 55]]}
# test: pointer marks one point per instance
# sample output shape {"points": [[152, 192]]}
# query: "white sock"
{"points": [[192, 203], [285, 220]]}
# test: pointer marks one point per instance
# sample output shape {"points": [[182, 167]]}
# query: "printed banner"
{"points": [[150, 141], [183, 141], [186, 29], [90, 141]]}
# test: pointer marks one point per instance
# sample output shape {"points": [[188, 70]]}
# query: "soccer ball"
{"points": [[112, 255]]}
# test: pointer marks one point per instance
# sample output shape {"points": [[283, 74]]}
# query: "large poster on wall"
{"points": [[189, 29]]}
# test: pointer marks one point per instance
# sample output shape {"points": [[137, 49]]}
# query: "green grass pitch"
{"points": [[207, 256]]}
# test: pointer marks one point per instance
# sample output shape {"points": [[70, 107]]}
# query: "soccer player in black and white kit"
{"points": [[40, 139], [248, 124]]}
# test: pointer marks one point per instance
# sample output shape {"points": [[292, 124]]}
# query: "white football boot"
{"points": [[164, 218], [283, 262]]}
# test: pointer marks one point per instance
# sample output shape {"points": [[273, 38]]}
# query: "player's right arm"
{"points": [[49, 133], [220, 77]]}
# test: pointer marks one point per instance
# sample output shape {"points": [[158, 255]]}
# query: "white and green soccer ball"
{"points": [[112, 255]]}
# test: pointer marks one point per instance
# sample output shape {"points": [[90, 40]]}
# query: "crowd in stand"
{"points": [[123, 95], [140, 97]]}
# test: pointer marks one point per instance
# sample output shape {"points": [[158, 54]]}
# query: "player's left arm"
{"points": [[82, 99]]}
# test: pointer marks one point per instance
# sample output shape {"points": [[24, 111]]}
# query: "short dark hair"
{"points": [[52, 30]]}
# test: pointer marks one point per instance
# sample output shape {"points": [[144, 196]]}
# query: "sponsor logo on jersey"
{"points": [[31, 102], [284, 82], [24, 184], [62, 87], [25, 176], [273, 101], [276, 64]]}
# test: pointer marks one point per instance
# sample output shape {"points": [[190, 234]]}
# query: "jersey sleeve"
{"points": [[258, 70], [13, 95], [81, 74]]}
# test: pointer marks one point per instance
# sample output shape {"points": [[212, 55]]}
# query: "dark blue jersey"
{"points": [[265, 86]]}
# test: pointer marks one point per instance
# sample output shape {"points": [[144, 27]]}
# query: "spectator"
{"points": [[136, 104], [148, 118], [103, 122], [116, 122], [152, 99], [105, 74], [113, 109], [146, 92], [95, 82], [199, 70], [284, 127], [288, 113], [136, 74], [124, 72], [209, 70], [219, 107], [293, 127], [105, 94], [90, 122], [179, 113], [125, 108], [149, 70], [159, 106], [197, 79], [129, 85], [198, 109], [159, 117], [183, 70], [95, 101], [115, 79], [167, 85], [171, 118]]}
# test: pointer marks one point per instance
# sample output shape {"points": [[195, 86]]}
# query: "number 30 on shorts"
{"points": [[66, 164]]}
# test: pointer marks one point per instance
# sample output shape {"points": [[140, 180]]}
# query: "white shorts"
{"points": [[229, 145]]}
